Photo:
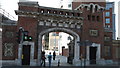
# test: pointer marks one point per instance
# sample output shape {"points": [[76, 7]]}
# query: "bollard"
{"points": [[58, 62]]}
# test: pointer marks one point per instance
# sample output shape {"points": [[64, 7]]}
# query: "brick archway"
{"points": [[74, 34]]}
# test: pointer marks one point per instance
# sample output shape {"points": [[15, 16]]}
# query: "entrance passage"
{"points": [[26, 55], [93, 55]]}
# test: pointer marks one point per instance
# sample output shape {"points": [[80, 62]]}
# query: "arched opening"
{"points": [[75, 36], [91, 8], [96, 8]]}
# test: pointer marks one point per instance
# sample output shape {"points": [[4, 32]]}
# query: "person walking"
{"points": [[50, 59], [54, 55], [43, 58]]}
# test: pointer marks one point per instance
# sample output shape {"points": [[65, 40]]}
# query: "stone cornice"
{"points": [[37, 14]]}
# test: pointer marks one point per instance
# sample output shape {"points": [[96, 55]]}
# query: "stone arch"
{"points": [[76, 48]]}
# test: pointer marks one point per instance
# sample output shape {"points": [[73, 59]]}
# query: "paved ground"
{"points": [[63, 61], [62, 67], [63, 64]]}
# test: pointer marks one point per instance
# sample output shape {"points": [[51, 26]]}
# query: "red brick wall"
{"points": [[29, 23], [5, 39]]}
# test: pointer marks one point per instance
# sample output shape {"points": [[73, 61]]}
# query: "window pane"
{"points": [[107, 20], [107, 14]]}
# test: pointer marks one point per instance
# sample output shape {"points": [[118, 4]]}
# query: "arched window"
{"points": [[86, 7], [42, 10], [96, 8], [91, 8]]}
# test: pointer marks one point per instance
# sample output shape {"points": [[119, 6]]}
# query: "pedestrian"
{"points": [[50, 59], [43, 58], [54, 55]]}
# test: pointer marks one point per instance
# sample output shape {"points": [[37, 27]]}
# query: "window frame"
{"points": [[107, 20]]}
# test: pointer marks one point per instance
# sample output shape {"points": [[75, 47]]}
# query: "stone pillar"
{"points": [[87, 55], [19, 61], [98, 52], [39, 49], [32, 54], [76, 60]]}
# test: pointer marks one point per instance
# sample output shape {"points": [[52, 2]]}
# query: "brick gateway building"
{"points": [[85, 22]]}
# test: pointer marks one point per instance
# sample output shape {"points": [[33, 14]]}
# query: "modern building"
{"points": [[110, 19]]}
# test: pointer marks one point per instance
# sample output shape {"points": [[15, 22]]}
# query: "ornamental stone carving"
{"points": [[8, 49]]}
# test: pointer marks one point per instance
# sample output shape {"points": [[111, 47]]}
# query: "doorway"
{"points": [[26, 55], [93, 55]]}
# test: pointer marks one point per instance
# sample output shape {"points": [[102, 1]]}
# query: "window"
{"points": [[98, 18], [107, 14], [107, 26], [108, 6], [107, 38], [86, 7], [69, 5], [107, 20], [42, 11], [91, 8], [72, 14], [66, 13], [78, 14], [93, 18], [96, 8], [55, 12], [48, 11], [93, 32], [60, 12], [88, 17]]}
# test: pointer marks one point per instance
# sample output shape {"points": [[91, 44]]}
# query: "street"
{"points": [[63, 64]]}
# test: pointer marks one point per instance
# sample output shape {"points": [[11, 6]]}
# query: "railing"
{"points": [[6, 14]]}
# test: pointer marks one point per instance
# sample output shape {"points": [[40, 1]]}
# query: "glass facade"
{"points": [[108, 6]]}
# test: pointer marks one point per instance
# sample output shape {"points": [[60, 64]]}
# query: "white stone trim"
{"points": [[66, 25], [41, 23], [72, 26], [98, 53], [48, 23], [88, 6], [60, 24], [54, 24], [19, 60], [78, 26]]}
